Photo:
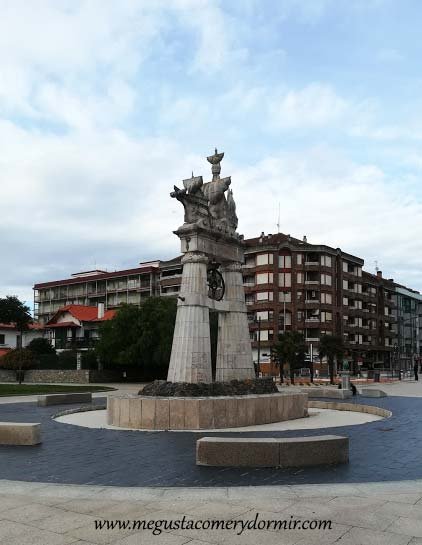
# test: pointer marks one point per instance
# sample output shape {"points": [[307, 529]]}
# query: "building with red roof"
{"points": [[10, 336], [76, 326]]}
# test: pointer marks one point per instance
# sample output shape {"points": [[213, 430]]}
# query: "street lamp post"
{"points": [[259, 349]]}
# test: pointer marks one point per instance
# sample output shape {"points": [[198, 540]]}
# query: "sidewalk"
{"points": [[388, 513], [129, 388]]}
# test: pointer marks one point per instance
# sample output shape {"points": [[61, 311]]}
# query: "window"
{"points": [[264, 259], [264, 296], [326, 316], [300, 315], [265, 335], [345, 301], [285, 280], [345, 285], [285, 296], [326, 260], [345, 266], [2, 338], [264, 315], [284, 261], [326, 279], [299, 259], [264, 278], [299, 278]]}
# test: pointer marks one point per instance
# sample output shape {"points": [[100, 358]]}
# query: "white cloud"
{"points": [[337, 202], [315, 105]]}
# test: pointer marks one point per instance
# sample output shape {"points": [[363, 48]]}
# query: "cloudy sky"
{"points": [[104, 106]]}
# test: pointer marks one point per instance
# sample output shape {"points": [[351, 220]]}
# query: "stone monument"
{"points": [[212, 280]]}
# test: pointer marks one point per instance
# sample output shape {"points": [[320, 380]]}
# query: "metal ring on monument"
{"points": [[215, 284]]}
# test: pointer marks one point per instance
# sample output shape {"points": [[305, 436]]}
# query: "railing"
{"points": [[310, 301], [311, 262], [311, 281], [312, 320], [68, 344]]}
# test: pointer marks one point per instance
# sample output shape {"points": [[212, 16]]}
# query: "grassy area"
{"points": [[35, 389]]}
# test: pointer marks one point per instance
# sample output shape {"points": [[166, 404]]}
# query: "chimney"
{"points": [[305, 240], [100, 309], [379, 274]]}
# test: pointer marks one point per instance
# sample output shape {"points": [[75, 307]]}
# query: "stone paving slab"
{"points": [[377, 516]]}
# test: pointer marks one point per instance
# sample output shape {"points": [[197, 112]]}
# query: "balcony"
{"points": [[311, 301], [311, 263], [73, 344], [96, 293], [312, 319], [311, 282]]}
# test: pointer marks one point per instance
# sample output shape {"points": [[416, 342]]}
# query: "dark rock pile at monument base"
{"points": [[233, 388]]}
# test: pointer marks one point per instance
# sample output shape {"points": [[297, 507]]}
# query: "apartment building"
{"points": [[408, 344], [93, 287], [316, 290]]}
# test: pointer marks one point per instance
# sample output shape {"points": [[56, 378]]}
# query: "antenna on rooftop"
{"points": [[376, 266], [278, 221]]}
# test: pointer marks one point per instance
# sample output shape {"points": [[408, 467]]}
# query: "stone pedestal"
{"points": [[191, 352], [234, 353]]}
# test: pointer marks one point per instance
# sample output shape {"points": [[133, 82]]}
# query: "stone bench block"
{"points": [[63, 399], [369, 392], [272, 452], [20, 433], [330, 393], [241, 451], [313, 451]]}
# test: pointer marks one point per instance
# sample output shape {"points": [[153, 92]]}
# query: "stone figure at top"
{"points": [[206, 204]]}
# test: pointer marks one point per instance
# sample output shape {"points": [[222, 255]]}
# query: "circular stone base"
{"points": [[318, 418], [196, 413]]}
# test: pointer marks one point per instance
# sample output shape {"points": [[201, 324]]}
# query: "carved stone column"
{"points": [[234, 352], [191, 352]]}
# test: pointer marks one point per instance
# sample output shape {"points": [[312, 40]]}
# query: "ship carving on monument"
{"points": [[206, 204]]}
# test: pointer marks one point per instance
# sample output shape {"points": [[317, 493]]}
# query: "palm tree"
{"points": [[331, 347], [291, 349]]}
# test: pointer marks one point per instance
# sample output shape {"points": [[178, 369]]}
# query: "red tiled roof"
{"points": [[13, 327], [82, 313]]}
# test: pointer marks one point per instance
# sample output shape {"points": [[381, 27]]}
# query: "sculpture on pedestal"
{"points": [[212, 279]]}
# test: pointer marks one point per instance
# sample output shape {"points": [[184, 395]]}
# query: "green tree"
{"points": [[41, 346], [140, 337], [13, 311], [331, 347], [291, 349], [19, 360]]}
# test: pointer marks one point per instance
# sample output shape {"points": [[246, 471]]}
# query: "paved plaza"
{"points": [[54, 493]]}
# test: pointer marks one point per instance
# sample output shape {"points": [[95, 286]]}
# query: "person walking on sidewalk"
{"points": [[416, 369]]}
